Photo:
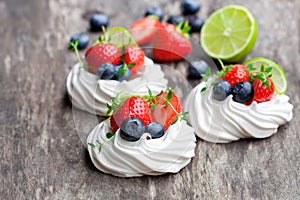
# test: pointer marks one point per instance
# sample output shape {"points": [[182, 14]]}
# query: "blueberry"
{"points": [[155, 129], [221, 90], [242, 92], [83, 40], [190, 7], [175, 19], [195, 23], [98, 20], [155, 11], [122, 73], [196, 68], [132, 129], [106, 71]]}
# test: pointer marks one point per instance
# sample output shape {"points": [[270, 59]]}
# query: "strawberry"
{"points": [[172, 42], [144, 30], [167, 108], [102, 53], [237, 73], [135, 107], [262, 91], [134, 55]]}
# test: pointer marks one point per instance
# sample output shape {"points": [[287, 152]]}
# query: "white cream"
{"points": [[91, 94], [226, 121], [122, 158]]}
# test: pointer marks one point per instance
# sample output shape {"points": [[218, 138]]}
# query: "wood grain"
{"points": [[42, 156]]}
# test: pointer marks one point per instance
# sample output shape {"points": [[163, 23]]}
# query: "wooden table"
{"points": [[42, 156]]}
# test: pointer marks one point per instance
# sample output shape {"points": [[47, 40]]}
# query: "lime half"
{"points": [[229, 33], [278, 75]]}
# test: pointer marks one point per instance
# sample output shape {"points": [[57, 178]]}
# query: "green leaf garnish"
{"points": [[203, 89], [250, 67], [109, 135], [92, 145]]}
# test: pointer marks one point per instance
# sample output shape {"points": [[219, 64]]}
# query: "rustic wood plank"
{"points": [[42, 155]]}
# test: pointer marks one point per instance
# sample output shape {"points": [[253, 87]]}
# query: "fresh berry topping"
{"points": [[235, 74], [221, 90], [262, 91], [155, 129], [144, 30], [132, 129], [83, 40], [102, 53], [157, 11], [190, 7], [167, 108], [196, 68], [134, 56], [175, 19], [172, 43], [242, 92], [195, 23], [106, 71], [122, 73], [135, 107], [98, 21]]}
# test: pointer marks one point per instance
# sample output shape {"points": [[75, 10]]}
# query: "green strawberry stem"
{"points": [[183, 28]]}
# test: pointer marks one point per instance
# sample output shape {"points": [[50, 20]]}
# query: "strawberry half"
{"points": [[132, 107], [172, 43], [134, 55], [262, 91], [144, 30], [167, 108], [102, 53], [237, 73]]}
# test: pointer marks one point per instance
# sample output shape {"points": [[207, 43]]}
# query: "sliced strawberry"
{"points": [[132, 107], [102, 53], [167, 108], [144, 30], [237, 73], [134, 55], [262, 92], [171, 44]]}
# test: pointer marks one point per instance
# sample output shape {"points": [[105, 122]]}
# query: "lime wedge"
{"points": [[119, 36], [229, 33], [278, 75]]}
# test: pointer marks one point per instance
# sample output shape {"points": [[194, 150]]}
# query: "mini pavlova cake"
{"points": [[114, 64], [144, 135], [242, 101]]}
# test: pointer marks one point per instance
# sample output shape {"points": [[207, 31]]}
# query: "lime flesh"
{"points": [[229, 33]]}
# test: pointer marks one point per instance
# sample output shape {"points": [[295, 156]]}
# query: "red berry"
{"points": [[238, 73], [134, 55], [170, 45], [261, 91], [144, 30], [135, 107], [167, 110], [102, 53]]}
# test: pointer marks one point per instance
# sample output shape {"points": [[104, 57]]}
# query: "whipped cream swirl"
{"points": [[91, 94], [226, 121], [122, 158]]}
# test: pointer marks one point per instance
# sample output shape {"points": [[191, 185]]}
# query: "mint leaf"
{"points": [[92, 145]]}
